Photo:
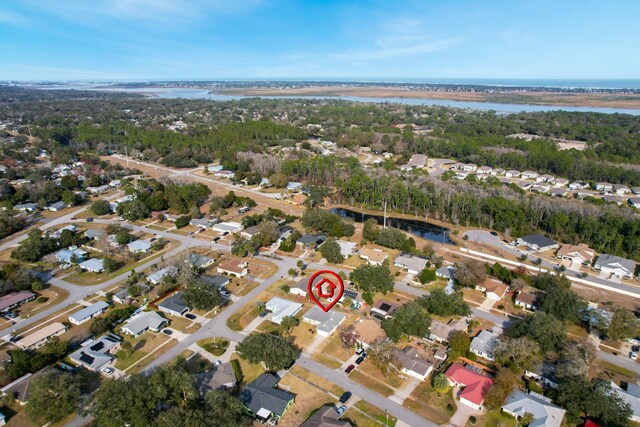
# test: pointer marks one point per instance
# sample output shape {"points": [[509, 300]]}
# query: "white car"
{"points": [[108, 371], [217, 363]]}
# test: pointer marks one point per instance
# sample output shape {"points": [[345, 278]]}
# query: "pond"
{"points": [[419, 228]]}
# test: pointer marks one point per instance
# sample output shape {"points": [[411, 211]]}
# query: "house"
{"points": [[174, 305], [484, 170], [346, 248], [98, 190], [202, 222], [631, 396], [223, 377], [309, 240], [469, 167], [294, 186], [577, 254], [609, 198], [544, 413], [560, 182], [635, 190], [383, 309], [524, 185], [526, 300], [512, 173], [55, 207], [58, 233], [281, 308], [634, 201], [22, 388], [412, 364], [26, 207], [559, 192], [265, 183], [621, 189], [495, 290], [15, 299], [327, 416], [92, 234], [373, 256], [411, 263], [199, 261], [544, 373], [326, 322], [474, 384], [301, 288], [461, 175], [139, 246], [545, 178], [41, 336], [529, 175], [440, 331], [264, 400], [417, 161], [540, 189], [485, 343], [604, 187], [368, 331], [94, 265], [497, 172], [615, 265], [123, 296], [87, 313], [95, 354], [224, 174], [228, 227], [537, 243], [298, 199], [446, 272], [578, 185], [249, 232], [233, 268], [143, 322], [159, 275], [65, 256]]}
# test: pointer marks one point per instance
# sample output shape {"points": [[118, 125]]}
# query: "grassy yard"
{"points": [[371, 383], [494, 419], [240, 320], [250, 371], [317, 380], [425, 402], [142, 346], [374, 412], [216, 346], [198, 364], [308, 399], [367, 367]]}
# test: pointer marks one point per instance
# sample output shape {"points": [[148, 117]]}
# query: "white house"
{"points": [[537, 242], [631, 396], [615, 265], [143, 322], [326, 322], [578, 185], [228, 227], [412, 364], [604, 187], [139, 246], [485, 343], [281, 308], [93, 265], [512, 173], [544, 412], [529, 175], [577, 254], [87, 313], [411, 263], [157, 277]]}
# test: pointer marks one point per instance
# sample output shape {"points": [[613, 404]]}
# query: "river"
{"points": [[192, 93], [418, 228]]}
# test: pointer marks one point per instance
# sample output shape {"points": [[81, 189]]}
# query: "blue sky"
{"points": [[264, 39]]}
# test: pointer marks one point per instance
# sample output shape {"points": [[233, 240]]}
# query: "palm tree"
{"points": [[526, 419], [441, 384]]}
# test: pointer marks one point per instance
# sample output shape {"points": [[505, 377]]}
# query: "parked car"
{"points": [[360, 351], [217, 363], [350, 368], [225, 294], [9, 315], [215, 239], [264, 313], [341, 410], [633, 355], [345, 396], [493, 233], [108, 371], [153, 239], [89, 219], [167, 331], [190, 316], [359, 360], [73, 218]]}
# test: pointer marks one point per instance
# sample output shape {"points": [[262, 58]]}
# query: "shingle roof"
{"points": [[539, 240], [328, 321], [545, 414], [216, 379], [89, 311], [262, 393], [410, 360], [174, 303]]}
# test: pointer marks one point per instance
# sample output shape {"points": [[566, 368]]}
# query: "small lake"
{"points": [[193, 93], [419, 228]]}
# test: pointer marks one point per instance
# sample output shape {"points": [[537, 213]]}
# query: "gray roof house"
{"points": [[216, 280], [57, 206], [412, 364], [123, 295], [174, 305], [94, 354], [157, 277], [538, 242], [485, 343], [141, 323], [264, 400], [615, 265], [412, 264], [199, 261], [312, 239], [631, 396], [94, 234], [446, 272], [220, 378], [326, 322], [87, 313], [326, 416], [93, 265], [139, 246], [545, 413]]}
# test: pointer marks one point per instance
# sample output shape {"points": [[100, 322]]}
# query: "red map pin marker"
{"points": [[328, 289]]}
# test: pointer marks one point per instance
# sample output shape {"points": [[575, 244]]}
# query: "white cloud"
{"points": [[11, 18], [390, 48]]}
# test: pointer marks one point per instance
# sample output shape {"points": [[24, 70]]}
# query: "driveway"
{"points": [[462, 414]]}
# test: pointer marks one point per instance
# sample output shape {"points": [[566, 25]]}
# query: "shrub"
{"points": [[42, 300], [182, 221]]}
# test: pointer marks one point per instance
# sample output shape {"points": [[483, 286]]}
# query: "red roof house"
{"points": [[474, 385]]}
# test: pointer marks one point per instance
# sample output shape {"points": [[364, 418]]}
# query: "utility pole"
{"points": [[384, 221]]}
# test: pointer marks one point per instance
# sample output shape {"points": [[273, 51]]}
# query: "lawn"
{"points": [[425, 402], [367, 367], [54, 296], [374, 412], [198, 364], [142, 346], [87, 278], [494, 419], [308, 399], [216, 346], [317, 380], [371, 383], [250, 371], [240, 320]]}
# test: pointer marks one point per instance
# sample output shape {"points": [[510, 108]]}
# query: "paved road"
{"points": [[485, 237]]}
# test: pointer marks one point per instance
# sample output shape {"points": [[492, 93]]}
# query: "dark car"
{"points": [[350, 368], [167, 331], [89, 219], [264, 313], [9, 315], [493, 233], [73, 218], [215, 239], [190, 316], [345, 396], [359, 360]]}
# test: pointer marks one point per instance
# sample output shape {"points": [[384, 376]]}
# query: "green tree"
{"points": [[370, 230], [110, 265], [100, 207], [441, 384], [201, 296], [469, 273], [273, 351], [381, 353], [563, 303], [517, 354], [55, 395], [279, 180], [373, 278], [459, 342], [330, 250], [542, 328], [410, 319], [503, 384], [427, 275], [288, 323], [438, 302], [624, 324]]}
